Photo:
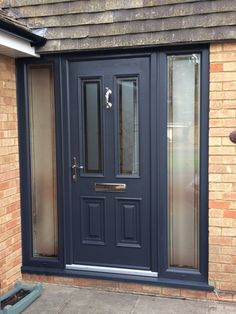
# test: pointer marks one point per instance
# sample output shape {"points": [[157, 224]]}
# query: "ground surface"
{"points": [[64, 299]]}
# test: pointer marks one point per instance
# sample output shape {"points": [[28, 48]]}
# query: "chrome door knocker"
{"points": [[108, 92]]}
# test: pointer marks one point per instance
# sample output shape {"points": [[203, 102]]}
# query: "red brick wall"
{"points": [[222, 167], [10, 229]]}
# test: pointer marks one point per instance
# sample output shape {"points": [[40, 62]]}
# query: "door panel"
{"points": [[128, 223], [111, 227], [92, 222]]}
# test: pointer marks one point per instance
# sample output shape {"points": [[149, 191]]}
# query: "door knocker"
{"points": [[108, 92]]}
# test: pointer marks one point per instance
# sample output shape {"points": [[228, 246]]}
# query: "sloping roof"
{"points": [[10, 24], [100, 24]]}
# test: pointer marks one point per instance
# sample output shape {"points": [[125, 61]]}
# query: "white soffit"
{"points": [[14, 46]]}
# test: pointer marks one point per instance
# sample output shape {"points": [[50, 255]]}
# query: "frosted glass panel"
{"points": [[92, 127], [43, 162], [128, 126], [183, 160]]}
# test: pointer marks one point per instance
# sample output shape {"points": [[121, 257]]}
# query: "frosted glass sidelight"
{"points": [[183, 160], [128, 126], [43, 161]]}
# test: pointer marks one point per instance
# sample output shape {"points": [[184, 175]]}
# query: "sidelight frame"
{"points": [[23, 103], [164, 270], [174, 277]]}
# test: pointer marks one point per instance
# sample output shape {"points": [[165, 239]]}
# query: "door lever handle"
{"points": [[75, 167]]}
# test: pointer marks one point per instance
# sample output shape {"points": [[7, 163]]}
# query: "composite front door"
{"points": [[110, 164], [114, 164]]}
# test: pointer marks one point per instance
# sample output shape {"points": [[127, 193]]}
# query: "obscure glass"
{"points": [[92, 127], [183, 160], [43, 162], [128, 125]]}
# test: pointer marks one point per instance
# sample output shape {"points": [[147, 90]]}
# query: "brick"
{"points": [[214, 231], [226, 141], [215, 196], [219, 204], [229, 232], [220, 131], [223, 77], [219, 169], [222, 258], [216, 86], [229, 66], [216, 122], [216, 104], [230, 214], [227, 286], [152, 290], [193, 294], [230, 250], [218, 95], [229, 47], [228, 159], [223, 56], [171, 291], [229, 177], [234, 259], [222, 113], [220, 222], [216, 67], [227, 268], [222, 150], [215, 141], [231, 86], [216, 48], [215, 177], [220, 240], [215, 213], [215, 267], [228, 104]]}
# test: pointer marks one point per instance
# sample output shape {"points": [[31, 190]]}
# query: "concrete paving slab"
{"points": [[52, 299], [153, 305], [96, 302], [58, 299]]}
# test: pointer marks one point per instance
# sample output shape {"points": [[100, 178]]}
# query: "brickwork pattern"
{"points": [[10, 228], [133, 287], [222, 167]]}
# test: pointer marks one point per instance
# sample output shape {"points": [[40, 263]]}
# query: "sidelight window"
{"points": [[43, 161], [183, 160]]}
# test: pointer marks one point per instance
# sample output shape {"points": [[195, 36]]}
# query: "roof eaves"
{"points": [[11, 25]]}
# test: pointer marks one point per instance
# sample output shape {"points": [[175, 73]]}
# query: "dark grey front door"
{"points": [[110, 152]]}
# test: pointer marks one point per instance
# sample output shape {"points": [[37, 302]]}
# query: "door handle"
{"points": [[75, 167], [108, 92]]}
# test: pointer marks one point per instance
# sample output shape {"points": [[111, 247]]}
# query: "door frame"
{"points": [[157, 57]]}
